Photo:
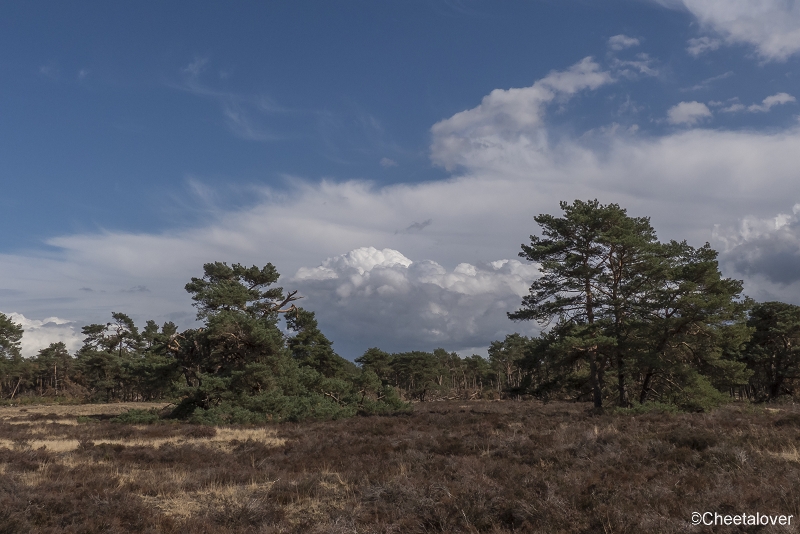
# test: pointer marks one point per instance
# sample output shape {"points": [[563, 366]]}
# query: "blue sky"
{"points": [[387, 157]]}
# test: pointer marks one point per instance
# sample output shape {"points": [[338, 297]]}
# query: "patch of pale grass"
{"points": [[54, 445], [222, 440], [34, 478], [182, 506], [333, 482], [268, 436], [73, 460], [214, 496], [163, 477], [76, 410], [790, 455]]}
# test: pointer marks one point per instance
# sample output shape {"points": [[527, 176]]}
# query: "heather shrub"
{"points": [[137, 417], [448, 466], [648, 407]]}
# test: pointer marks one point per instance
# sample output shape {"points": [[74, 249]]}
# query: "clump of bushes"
{"points": [[137, 417]]}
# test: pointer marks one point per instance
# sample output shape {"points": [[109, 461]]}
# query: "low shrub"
{"points": [[137, 417]]}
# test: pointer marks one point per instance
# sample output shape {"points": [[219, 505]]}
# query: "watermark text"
{"points": [[716, 519]]}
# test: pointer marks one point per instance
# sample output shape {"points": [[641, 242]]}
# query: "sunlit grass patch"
{"points": [[225, 439], [75, 410], [55, 445], [791, 454]]}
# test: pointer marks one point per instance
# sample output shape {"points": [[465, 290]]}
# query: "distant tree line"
{"points": [[626, 321]]}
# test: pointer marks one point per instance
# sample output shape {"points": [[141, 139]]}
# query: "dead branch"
{"points": [[289, 298], [15, 389]]}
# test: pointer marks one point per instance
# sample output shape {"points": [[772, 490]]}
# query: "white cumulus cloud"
{"points": [[399, 304], [771, 26], [510, 112], [689, 113], [39, 334]]}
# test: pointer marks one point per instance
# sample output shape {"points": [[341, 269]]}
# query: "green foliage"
{"points": [[310, 347], [694, 393], [660, 408], [627, 320], [235, 289], [773, 351], [12, 370], [658, 318], [378, 362], [240, 368], [116, 362], [10, 336], [422, 376]]}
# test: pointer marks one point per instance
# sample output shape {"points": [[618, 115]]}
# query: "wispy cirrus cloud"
{"points": [[195, 68], [50, 71], [701, 45], [708, 82], [245, 116], [771, 101], [621, 42], [643, 64], [766, 105], [733, 108]]}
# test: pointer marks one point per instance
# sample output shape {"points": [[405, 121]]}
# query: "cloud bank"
{"points": [[767, 247], [40, 334], [411, 305], [432, 278]]}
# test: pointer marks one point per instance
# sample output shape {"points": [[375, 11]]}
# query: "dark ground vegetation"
{"points": [[505, 466]]}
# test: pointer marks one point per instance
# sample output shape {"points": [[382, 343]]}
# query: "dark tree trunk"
{"points": [[596, 381], [624, 402], [646, 387]]}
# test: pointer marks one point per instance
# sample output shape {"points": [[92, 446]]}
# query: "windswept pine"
{"points": [[650, 320]]}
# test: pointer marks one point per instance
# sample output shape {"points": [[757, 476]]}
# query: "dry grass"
{"points": [[448, 467], [60, 411]]}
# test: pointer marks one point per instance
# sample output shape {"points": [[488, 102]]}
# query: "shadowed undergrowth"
{"points": [[447, 467]]}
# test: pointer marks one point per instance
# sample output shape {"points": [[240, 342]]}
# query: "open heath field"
{"points": [[447, 467]]}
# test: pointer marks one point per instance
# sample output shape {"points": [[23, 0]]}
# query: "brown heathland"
{"points": [[447, 467]]}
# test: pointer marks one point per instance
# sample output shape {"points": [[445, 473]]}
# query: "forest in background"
{"points": [[627, 321]]}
